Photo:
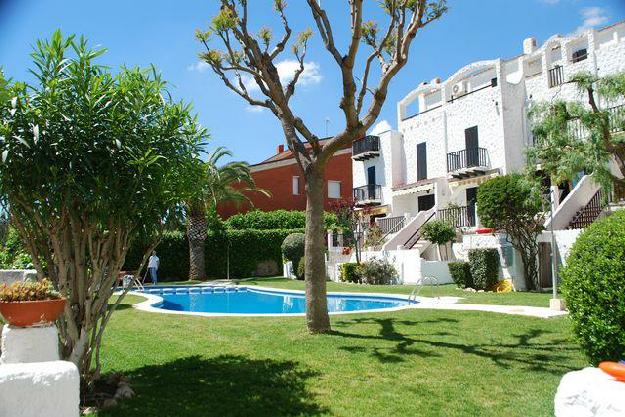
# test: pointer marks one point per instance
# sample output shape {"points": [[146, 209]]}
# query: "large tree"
{"points": [[90, 162], [219, 183], [236, 53], [586, 135]]}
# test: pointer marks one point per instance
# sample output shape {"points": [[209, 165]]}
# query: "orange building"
{"points": [[282, 177]]}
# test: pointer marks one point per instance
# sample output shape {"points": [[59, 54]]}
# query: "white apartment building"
{"points": [[453, 135]]}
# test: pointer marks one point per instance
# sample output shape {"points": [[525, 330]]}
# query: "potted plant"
{"points": [[27, 304]]}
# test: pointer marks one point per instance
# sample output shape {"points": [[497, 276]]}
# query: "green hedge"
{"points": [[277, 219], [247, 249], [484, 266], [593, 285], [461, 274]]}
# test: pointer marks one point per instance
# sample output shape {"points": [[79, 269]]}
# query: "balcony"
{"points": [[366, 148], [368, 195], [468, 163]]}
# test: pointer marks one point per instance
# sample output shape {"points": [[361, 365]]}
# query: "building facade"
{"points": [[282, 177], [455, 134]]}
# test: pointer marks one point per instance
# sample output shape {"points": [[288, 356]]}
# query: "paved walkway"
{"points": [[451, 303]]}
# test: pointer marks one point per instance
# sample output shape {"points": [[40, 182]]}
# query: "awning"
{"points": [[473, 180], [375, 211], [417, 187]]}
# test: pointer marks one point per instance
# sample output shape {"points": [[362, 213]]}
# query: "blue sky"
{"points": [[141, 32]]}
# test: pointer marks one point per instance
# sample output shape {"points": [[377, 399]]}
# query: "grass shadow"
{"points": [[224, 386], [529, 349]]}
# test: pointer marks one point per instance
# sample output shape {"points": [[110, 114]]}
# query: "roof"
{"points": [[288, 154]]}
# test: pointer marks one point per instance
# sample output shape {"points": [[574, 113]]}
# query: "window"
{"points": [[422, 164], [334, 189], [579, 55], [295, 185], [556, 76]]}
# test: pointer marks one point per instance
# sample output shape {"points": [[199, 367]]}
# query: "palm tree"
{"points": [[220, 183]]}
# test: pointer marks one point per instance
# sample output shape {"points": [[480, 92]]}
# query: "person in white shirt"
{"points": [[153, 263]]}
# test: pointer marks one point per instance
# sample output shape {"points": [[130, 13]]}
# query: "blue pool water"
{"points": [[244, 300]]}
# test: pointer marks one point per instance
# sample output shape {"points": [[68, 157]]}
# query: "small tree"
{"points": [[571, 137], [441, 233], [243, 52], [512, 204], [91, 161]]}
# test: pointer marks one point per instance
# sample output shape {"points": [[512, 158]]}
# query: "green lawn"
{"points": [[511, 298], [404, 363]]}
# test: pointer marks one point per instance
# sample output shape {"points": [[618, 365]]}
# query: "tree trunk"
{"points": [[317, 318], [196, 234]]}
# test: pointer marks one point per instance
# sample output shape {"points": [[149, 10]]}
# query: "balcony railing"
{"points": [[467, 158], [368, 194], [390, 224], [365, 148], [462, 216], [555, 76]]}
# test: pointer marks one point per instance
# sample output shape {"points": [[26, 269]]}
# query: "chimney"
{"points": [[280, 149], [529, 45]]}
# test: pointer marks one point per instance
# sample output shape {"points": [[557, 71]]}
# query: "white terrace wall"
{"points": [[411, 267]]}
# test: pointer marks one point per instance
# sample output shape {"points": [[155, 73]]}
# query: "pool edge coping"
{"points": [[438, 303]]}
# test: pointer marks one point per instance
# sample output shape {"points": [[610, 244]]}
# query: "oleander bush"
{"points": [[277, 219], [377, 272], [593, 286], [461, 274], [484, 268], [350, 272], [293, 248]]}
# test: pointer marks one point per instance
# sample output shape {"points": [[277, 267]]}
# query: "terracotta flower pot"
{"points": [[32, 313], [485, 230]]}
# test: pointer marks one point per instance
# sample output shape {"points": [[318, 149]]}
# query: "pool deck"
{"points": [[437, 303]]}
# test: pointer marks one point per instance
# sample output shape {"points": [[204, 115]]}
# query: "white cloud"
{"points": [[199, 66], [286, 70], [592, 17], [254, 109], [381, 126]]}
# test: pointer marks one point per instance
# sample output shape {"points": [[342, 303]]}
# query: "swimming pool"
{"points": [[241, 300]]}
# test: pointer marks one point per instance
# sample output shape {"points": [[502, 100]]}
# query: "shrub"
{"points": [[461, 274], [28, 291], [349, 272], [377, 272], [593, 285], [484, 268], [301, 268], [293, 247], [512, 204], [277, 219], [439, 232]]}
